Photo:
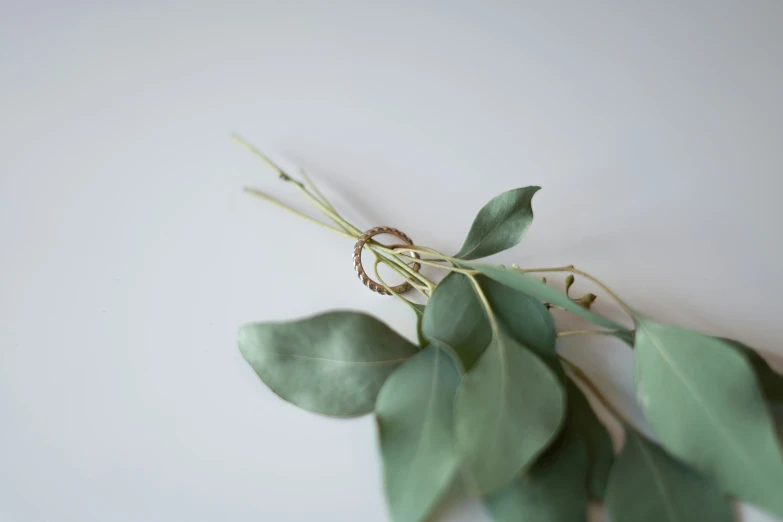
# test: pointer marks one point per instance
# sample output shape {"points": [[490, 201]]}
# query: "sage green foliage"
{"points": [[534, 287], [558, 485], [415, 411], [333, 364], [454, 315], [704, 402], [500, 224], [648, 485], [524, 318], [508, 409], [771, 381], [520, 431], [598, 444], [552, 491]]}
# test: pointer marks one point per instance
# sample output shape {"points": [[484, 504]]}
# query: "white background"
{"points": [[129, 255]]}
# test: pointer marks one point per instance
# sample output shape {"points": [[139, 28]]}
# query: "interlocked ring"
{"points": [[357, 260]]}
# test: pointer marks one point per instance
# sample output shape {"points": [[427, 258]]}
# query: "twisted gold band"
{"points": [[357, 260]]}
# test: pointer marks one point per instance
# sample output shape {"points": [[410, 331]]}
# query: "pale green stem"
{"points": [[587, 332], [493, 322], [438, 265], [582, 376], [261, 195], [392, 254], [309, 182], [571, 269], [388, 288], [423, 289]]}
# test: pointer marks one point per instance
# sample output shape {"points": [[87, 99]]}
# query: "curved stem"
{"points": [[587, 332], [571, 269], [493, 322], [584, 379], [422, 289], [391, 255], [388, 288]]}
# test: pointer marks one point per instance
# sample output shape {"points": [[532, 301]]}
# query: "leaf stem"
{"points": [[314, 188], [388, 288], [588, 332], [588, 383], [261, 195], [485, 302], [571, 269]]}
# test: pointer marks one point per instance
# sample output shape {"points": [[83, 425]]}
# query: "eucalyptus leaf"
{"points": [[598, 443], [771, 381], [508, 409], [703, 400], [333, 364], [455, 316], [534, 287], [415, 421], [500, 224], [552, 491], [648, 485], [525, 318]]}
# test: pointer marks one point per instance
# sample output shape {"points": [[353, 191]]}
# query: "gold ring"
{"points": [[357, 260]]}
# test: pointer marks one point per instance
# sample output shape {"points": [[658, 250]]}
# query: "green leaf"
{"points": [[704, 403], [333, 364], [647, 485], [771, 381], [419, 311], [500, 224], [415, 422], [525, 318], [508, 409], [598, 444], [455, 316], [536, 288], [552, 491]]}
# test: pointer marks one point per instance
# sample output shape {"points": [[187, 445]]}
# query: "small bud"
{"points": [[543, 280], [569, 281], [515, 266], [587, 300]]}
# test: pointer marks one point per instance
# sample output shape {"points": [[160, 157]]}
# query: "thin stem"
{"points": [[309, 182], [422, 288], [261, 195], [317, 200], [318, 204], [430, 263], [493, 322], [389, 288], [391, 255], [571, 269], [258, 154], [587, 332], [336, 218], [584, 379]]}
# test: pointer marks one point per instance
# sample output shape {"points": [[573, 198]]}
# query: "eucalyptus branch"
{"points": [[379, 371]]}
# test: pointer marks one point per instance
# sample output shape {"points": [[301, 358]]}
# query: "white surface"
{"points": [[129, 254]]}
